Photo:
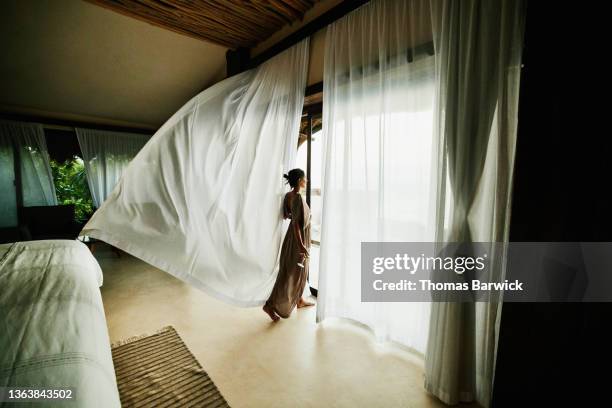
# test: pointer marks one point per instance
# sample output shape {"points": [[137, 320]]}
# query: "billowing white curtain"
{"points": [[380, 159], [24, 143], [420, 116], [106, 155], [202, 200]]}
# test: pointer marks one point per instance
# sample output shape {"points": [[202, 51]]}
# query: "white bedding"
{"points": [[52, 327]]}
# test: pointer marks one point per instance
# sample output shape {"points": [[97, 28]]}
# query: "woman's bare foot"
{"points": [[270, 313], [302, 303]]}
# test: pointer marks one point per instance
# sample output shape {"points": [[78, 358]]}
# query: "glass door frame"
{"points": [[311, 111]]}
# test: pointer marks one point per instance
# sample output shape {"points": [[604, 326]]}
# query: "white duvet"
{"points": [[52, 327]]}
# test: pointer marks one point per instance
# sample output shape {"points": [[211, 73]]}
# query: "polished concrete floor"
{"points": [[256, 363]]}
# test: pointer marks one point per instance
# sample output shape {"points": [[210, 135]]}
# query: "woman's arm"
{"points": [[286, 208], [296, 221], [298, 236]]}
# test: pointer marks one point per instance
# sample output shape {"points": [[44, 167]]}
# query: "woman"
{"points": [[293, 271]]}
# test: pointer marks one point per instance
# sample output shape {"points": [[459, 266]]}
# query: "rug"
{"points": [[159, 370]]}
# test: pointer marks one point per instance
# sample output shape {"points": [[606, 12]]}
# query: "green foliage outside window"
{"points": [[71, 187]]}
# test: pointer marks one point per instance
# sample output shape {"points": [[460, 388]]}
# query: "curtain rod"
{"points": [[57, 127]]}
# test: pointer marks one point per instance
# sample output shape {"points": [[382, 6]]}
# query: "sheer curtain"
{"points": [[106, 154], [380, 159], [202, 200], [478, 48], [8, 198], [24, 143], [420, 118]]}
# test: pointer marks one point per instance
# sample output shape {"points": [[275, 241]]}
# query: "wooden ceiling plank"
{"points": [[297, 5], [256, 19], [242, 9], [183, 21], [224, 22], [286, 10], [201, 17], [306, 3], [227, 17], [259, 10], [267, 8]]}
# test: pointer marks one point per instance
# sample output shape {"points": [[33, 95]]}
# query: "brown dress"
{"points": [[291, 278]]}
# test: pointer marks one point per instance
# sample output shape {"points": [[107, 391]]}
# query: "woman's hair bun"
{"points": [[294, 176]]}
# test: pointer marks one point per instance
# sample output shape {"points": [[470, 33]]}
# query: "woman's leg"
{"points": [[270, 311], [303, 303], [304, 272]]}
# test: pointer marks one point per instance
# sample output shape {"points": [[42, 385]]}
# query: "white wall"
{"points": [[73, 59]]}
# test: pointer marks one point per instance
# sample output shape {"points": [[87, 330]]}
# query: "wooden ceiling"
{"points": [[231, 23]]}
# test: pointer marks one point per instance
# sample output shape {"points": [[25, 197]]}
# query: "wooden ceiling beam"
{"points": [[289, 12], [300, 6], [266, 8]]}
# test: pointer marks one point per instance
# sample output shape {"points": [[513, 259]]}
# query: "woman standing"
{"points": [[293, 270]]}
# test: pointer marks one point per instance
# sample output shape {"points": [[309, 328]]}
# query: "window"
{"points": [[310, 159], [68, 172], [71, 186]]}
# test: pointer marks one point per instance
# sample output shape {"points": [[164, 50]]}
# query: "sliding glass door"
{"points": [[309, 158]]}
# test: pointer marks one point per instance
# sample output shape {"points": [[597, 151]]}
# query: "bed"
{"points": [[52, 327]]}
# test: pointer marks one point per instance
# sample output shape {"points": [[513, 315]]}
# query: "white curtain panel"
{"points": [[8, 198], [24, 142], [478, 50], [106, 155], [380, 159], [202, 200], [420, 122]]}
